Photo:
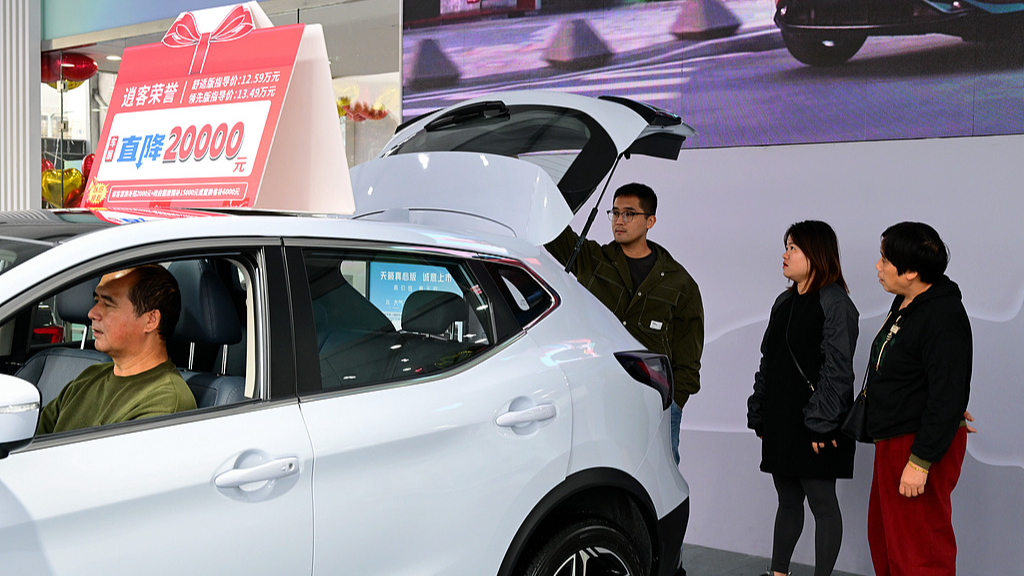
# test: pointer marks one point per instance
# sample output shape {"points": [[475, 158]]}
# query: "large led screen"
{"points": [[727, 69]]}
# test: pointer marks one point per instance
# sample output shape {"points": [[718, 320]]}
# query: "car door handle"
{"points": [[528, 416], [262, 473]]}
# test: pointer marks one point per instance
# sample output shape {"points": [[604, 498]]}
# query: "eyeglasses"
{"points": [[627, 215]]}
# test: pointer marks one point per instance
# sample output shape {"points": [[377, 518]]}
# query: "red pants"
{"points": [[913, 536]]}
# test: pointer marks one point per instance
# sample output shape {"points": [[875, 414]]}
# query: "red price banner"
{"points": [[192, 120]]}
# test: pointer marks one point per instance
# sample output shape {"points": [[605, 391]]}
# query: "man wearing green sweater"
{"points": [[135, 313]]}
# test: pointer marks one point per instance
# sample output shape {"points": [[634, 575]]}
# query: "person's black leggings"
{"points": [[789, 522]]}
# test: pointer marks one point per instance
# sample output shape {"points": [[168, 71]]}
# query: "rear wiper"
{"points": [[490, 110]]}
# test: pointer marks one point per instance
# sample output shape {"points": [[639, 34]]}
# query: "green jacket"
{"points": [[664, 313], [98, 397]]}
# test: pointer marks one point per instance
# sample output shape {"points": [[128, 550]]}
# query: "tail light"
{"points": [[651, 369]]}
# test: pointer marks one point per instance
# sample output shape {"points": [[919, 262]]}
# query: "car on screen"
{"points": [[830, 32], [416, 388]]}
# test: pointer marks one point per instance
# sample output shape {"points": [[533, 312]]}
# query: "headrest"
{"points": [[74, 303], [207, 313], [429, 312]]}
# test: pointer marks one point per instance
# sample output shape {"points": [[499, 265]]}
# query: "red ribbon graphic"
{"points": [[184, 33]]}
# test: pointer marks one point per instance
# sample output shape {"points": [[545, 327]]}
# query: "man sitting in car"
{"points": [[135, 313]]}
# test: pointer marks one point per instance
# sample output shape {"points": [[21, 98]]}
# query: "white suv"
{"points": [[416, 389]]}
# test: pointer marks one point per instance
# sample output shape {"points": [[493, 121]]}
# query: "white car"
{"points": [[416, 389]]}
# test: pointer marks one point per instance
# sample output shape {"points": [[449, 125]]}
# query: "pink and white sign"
{"points": [[193, 118]]}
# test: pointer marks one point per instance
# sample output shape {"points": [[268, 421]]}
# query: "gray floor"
{"points": [[700, 561]]}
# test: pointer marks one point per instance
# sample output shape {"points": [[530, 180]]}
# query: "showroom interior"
{"points": [[724, 205]]}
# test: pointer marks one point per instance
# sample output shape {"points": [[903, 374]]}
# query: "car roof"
{"points": [[77, 247]]}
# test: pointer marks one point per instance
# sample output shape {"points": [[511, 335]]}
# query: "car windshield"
{"points": [[26, 234], [14, 251]]}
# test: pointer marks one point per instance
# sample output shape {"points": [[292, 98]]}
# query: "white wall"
{"points": [[722, 213]]}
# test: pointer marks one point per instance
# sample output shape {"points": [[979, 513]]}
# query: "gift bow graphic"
{"points": [[184, 33]]}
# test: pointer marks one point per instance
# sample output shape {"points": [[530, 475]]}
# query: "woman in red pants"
{"points": [[919, 377]]}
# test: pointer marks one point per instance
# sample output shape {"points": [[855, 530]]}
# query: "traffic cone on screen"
{"points": [[703, 20], [575, 46], [431, 67]]}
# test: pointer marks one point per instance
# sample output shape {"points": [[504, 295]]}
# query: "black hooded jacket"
{"points": [[922, 382]]}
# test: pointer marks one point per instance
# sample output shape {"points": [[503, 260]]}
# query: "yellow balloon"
{"points": [[65, 85], [63, 188]]}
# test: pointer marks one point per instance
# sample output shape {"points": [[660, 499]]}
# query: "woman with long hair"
{"points": [[802, 390]]}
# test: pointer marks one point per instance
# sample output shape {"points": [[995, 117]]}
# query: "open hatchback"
{"points": [[519, 163]]}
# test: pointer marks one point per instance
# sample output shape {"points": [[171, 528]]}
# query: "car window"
{"points": [[383, 316], [14, 251], [214, 345], [527, 299], [565, 143]]}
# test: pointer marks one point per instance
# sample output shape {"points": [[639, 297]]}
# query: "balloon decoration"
{"points": [[47, 165], [63, 188], [66, 71], [87, 165], [359, 111]]}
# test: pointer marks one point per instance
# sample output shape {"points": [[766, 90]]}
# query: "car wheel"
{"points": [[822, 52], [586, 548]]}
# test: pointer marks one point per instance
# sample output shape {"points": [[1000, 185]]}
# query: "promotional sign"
{"points": [[196, 119], [391, 283]]}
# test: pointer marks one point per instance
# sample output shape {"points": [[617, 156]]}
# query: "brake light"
{"points": [[651, 369]]}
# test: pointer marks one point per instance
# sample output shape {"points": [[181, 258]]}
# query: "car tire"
{"points": [[822, 52], [590, 547]]}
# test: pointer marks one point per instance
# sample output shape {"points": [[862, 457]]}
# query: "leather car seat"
{"points": [[208, 316]]}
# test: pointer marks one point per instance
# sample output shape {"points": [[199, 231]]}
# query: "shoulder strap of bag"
{"points": [[790, 348]]}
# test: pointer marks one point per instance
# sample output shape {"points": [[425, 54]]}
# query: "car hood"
{"points": [[519, 163]]}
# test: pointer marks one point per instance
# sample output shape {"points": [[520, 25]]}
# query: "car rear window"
{"points": [[564, 143]]}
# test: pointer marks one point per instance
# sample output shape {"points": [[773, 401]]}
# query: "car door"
{"points": [[434, 437], [220, 490]]}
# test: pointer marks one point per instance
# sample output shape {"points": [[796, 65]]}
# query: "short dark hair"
{"points": [[817, 240], [156, 289], [916, 247], [648, 199]]}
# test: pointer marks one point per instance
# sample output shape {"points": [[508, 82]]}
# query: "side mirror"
{"points": [[19, 413]]}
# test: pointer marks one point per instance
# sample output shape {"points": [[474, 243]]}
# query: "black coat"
{"points": [[783, 409], [923, 382]]}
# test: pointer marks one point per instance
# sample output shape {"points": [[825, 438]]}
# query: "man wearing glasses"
{"points": [[653, 295]]}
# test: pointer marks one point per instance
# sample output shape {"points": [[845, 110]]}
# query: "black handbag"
{"points": [[856, 423]]}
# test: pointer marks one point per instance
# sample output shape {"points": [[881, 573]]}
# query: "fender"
{"points": [[603, 478]]}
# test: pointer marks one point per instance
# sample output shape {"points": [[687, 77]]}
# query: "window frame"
{"points": [[309, 381], [506, 296], [262, 257]]}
